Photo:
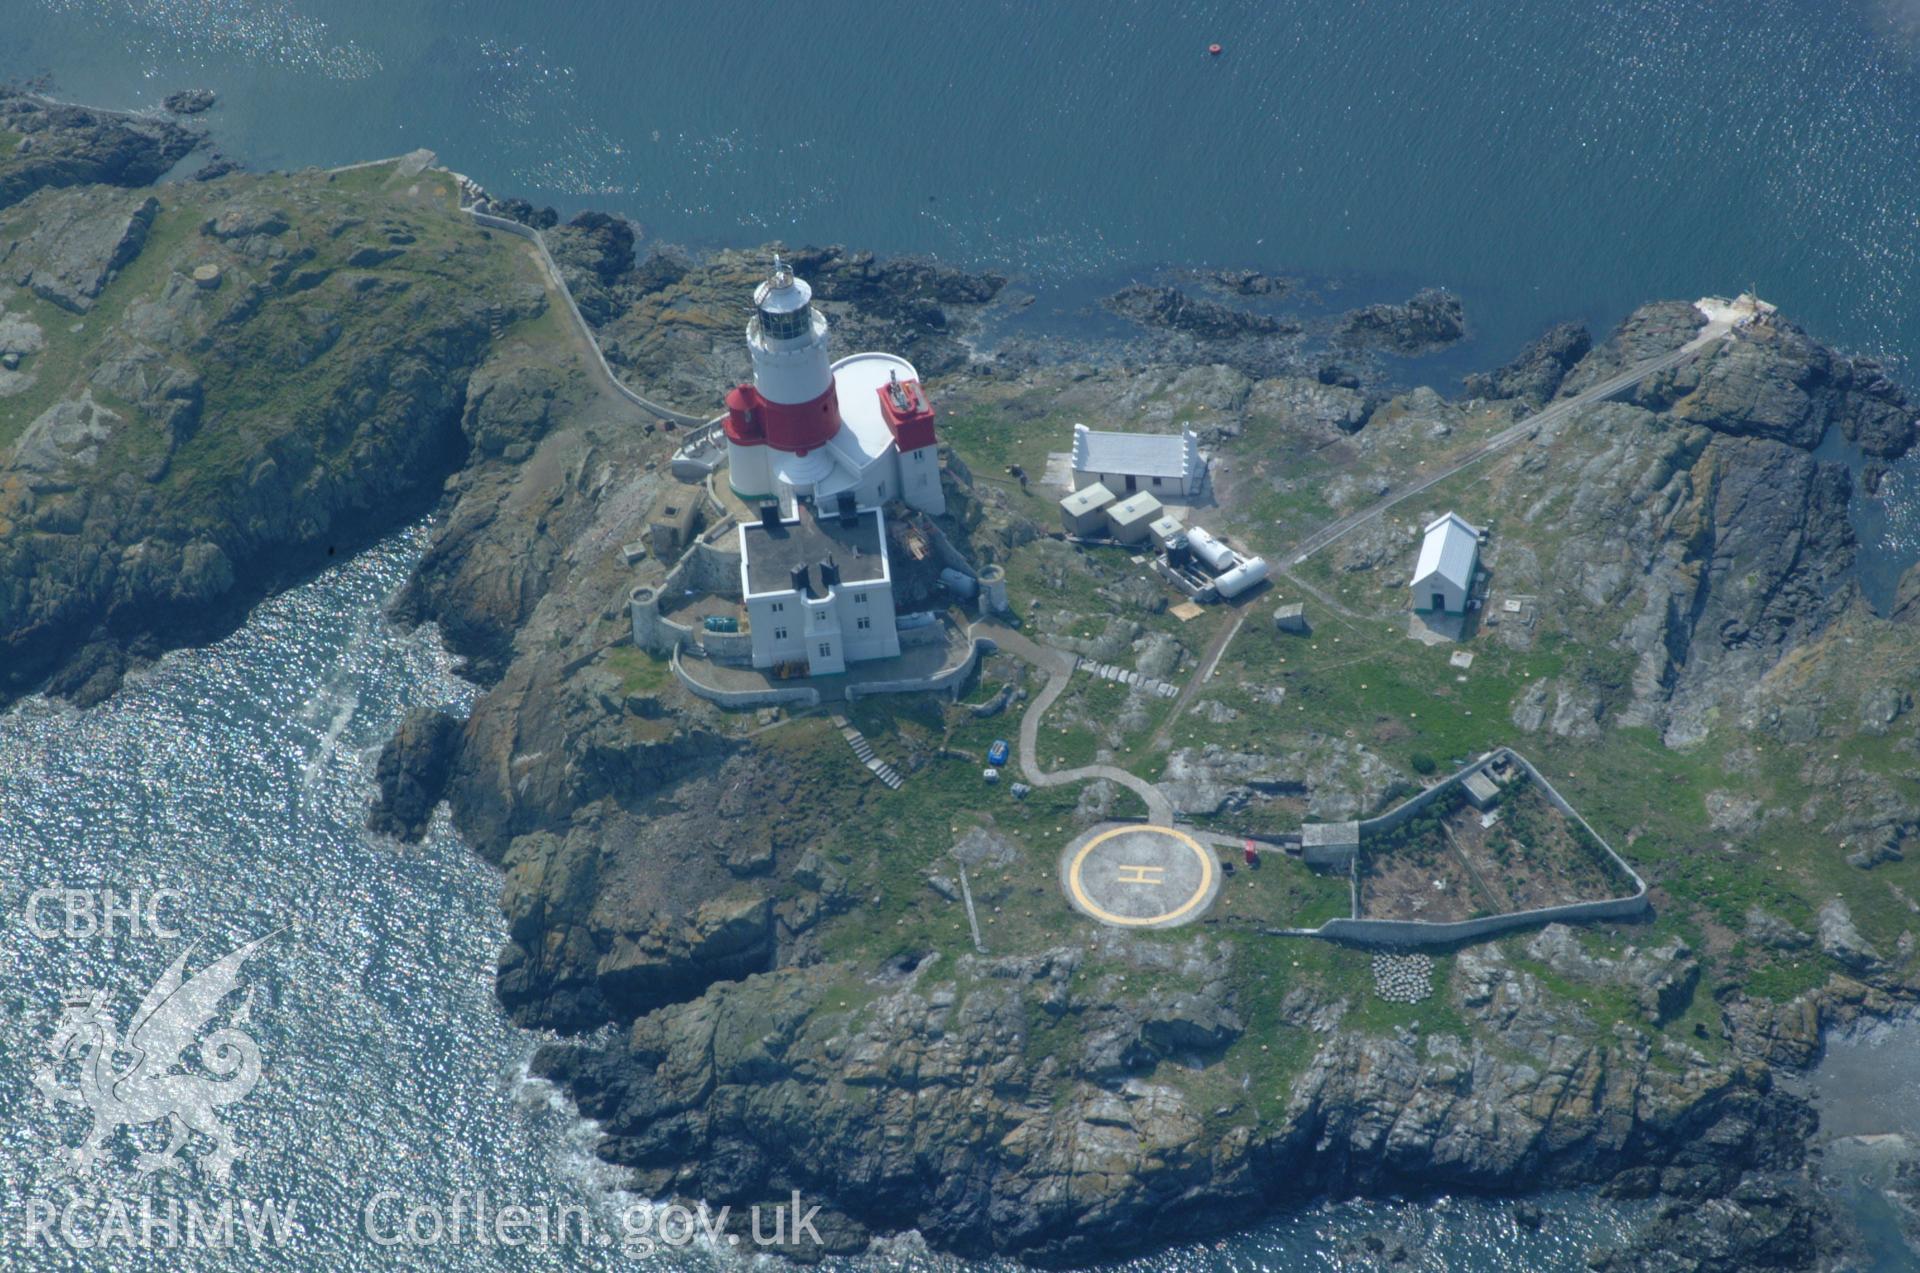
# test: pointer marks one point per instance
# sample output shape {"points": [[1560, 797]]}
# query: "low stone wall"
{"points": [[703, 568], [771, 696], [1414, 932], [947, 678], [931, 634]]}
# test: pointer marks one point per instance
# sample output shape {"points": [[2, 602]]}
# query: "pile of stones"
{"points": [[1403, 978]]}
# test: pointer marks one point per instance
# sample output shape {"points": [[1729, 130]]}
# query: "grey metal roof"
{"points": [[1448, 551], [1141, 454], [1087, 499]]}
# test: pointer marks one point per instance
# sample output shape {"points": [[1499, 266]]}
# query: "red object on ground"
{"points": [[1215, 50], [1253, 854]]}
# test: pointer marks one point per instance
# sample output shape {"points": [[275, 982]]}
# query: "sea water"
{"points": [[1546, 161]]}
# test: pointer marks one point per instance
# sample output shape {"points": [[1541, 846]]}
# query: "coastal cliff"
{"points": [[793, 999]]}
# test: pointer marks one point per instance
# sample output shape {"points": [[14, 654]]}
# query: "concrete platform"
{"points": [[1131, 875]]}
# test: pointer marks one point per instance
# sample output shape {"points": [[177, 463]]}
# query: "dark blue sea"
{"points": [[1544, 160]]}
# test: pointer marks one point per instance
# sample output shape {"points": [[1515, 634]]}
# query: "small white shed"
{"points": [[1083, 512], [1129, 520], [1443, 577]]}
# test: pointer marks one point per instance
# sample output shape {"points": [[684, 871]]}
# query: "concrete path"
{"points": [[1553, 413], [1059, 665]]}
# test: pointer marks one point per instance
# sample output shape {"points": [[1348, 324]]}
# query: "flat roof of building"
{"points": [[857, 381], [858, 550], [1134, 508], [1087, 499]]}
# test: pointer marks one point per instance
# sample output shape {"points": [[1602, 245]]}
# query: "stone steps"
{"points": [[1125, 676], [863, 751]]}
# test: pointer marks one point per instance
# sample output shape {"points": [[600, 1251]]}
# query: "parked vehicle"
{"points": [[997, 754]]}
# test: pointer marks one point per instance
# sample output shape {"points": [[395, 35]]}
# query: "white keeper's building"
{"points": [[1449, 555], [1167, 465]]}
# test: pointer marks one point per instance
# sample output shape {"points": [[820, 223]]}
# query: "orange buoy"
{"points": [[1215, 50]]}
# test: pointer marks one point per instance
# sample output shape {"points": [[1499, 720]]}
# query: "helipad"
{"points": [[1135, 876]]}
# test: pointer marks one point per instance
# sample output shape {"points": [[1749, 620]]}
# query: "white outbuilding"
{"points": [[1128, 521], [1164, 464], [1449, 555], [1083, 513]]}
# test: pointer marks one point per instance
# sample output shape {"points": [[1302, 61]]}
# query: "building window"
{"points": [[779, 634], [777, 607], [859, 598], [863, 623], [1156, 481], [778, 325], [883, 490], [826, 650]]}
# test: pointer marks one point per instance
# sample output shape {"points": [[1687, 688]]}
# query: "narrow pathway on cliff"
{"points": [[1059, 665]]}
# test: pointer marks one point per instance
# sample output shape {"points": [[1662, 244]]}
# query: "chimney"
{"points": [[770, 516], [800, 584], [829, 574]]}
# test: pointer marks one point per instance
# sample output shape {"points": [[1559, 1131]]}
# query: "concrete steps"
{"points": [[1151, 685], [863, 751]]}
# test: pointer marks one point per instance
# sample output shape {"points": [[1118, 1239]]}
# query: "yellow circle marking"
{"points": [[1099, 912]]}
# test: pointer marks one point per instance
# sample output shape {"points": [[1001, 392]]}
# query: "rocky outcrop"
{"points": [[79, 241], [212, 441], [62, 145], [1171, 308], [411, 775], [1431, 319], [1536, 374], [190, 101]]}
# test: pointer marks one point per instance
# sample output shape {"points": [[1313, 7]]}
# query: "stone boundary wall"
{"points": [[948, 678], [1416, 932], [772, 696]]}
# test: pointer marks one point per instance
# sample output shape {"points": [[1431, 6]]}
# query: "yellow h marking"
{"points": [[1142, 874]]}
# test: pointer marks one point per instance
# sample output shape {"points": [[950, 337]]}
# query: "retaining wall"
{"points": [[772, 696], [1413, 932], [948, 678]]}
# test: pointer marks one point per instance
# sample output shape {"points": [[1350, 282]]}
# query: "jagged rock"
{"points": [[79, 242], [1881, 706], [1536, 374], [190, 101], [1842, 941], [1212, 780], [1175, 310], [411, 775], [1304, 402], [1429, 320], [64, 145], [1770, 930]]}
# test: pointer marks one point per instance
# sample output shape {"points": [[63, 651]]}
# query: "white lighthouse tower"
{"points": [[811, 428]]}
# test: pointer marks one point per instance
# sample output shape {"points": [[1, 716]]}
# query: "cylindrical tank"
{"points": [[993, 590], [959, 583], [1210, 550], [644, 606], [1241, 577]]}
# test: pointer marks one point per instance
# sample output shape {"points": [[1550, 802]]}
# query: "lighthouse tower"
{"points": [[787, 434]]}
